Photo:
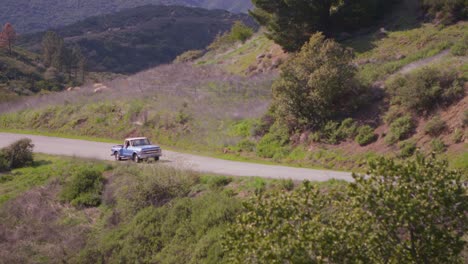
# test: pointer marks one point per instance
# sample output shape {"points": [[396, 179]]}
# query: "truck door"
{"points": [[126, 151]]}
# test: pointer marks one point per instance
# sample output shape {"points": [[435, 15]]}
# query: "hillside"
{"points": [[140, 38], [39, 15], [19, 74]]}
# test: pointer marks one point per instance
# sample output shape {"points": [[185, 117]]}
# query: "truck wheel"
{"points": [[117, 156], [136, 159], [156, 158]]}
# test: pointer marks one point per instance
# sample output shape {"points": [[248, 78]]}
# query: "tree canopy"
{"points": [[317, 83], [411, 212], [291, 23]]}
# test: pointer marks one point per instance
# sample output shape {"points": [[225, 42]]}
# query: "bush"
{"points": [[273, 142], [407, 149], [460, 48], [465, 118], [84, 188], [426, 88], [435, 126], [4, 164], [189, 56], [240, 32], [317, 84], [438, 146], [245, 146], [19, 154], [334, 132], [446, 11], [402, 127], [365, 135], [457, 136]]}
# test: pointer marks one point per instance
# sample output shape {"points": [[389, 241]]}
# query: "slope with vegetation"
{"points": [[140, 38], [40, 15], [82, 211]]}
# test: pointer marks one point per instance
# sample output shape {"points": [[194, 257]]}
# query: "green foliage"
{"points": [[84, 188], [417, 210], [426, 88], [138, 188], [435, 126], [317, 83], [407, 149], [438, 146], [245, 145], [18, 154], [241, 32], [460, 48], [189, 56], [457, 136], [365, 135], [273, 143], [188, 230], [402, 128], [446, 11], [334, 132], [291, 23], [396, 213], [216, 182]]}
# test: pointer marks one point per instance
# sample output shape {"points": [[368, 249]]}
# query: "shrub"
{"points": [[273, 142], [84, 188], [245, 146], [426, 88], [4, 164], [317, 84], [189, 56], [465, 118], [402, 127], [446, 11], [19, 154], [460, 48], [435, 126], [217, 181], [457, 136], [438, 146], [240, 32], [407, 149], [384, 216], [334, 132], [365, 135]]}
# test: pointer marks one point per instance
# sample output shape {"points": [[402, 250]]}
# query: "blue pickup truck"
{"points": [[137, 149]]}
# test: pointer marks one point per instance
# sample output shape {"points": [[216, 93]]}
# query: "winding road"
{"points": [[101, 151]]}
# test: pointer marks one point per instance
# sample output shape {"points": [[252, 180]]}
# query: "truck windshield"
{"points": [[140, 142]]}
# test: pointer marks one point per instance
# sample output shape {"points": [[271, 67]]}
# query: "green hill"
{"points": [[18, 73], [39, 15], [136, 39]]}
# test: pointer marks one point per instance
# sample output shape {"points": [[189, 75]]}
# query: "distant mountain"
{"points": [[39, 15], [139, 38]]}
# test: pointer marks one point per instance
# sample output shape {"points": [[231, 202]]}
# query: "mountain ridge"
{"points": [[38, 15]]}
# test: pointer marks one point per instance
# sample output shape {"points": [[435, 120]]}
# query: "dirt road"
{"points": [[97, 150]]}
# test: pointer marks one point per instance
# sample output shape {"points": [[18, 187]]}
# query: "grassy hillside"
{"points": [[148, 213], [140, 38], [197, 108], [20, 74], [39, 15]]}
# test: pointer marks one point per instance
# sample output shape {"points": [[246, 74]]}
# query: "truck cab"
{"points": [[136, 149]]}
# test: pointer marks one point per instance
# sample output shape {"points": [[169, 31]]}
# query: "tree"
{"points": [[241, 32], [52, 50], [413, 212], [8, 37], [291, 23], [317, 83]]}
